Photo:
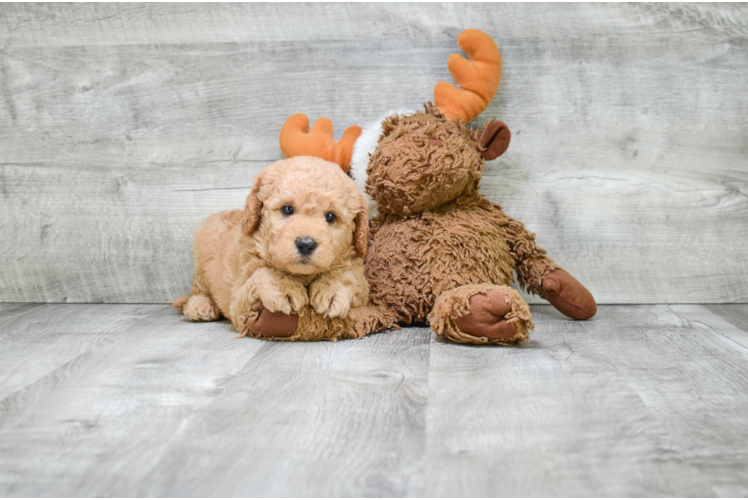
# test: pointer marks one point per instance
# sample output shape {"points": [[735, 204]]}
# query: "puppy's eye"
{"points": [[330, 217], [287, 210]]}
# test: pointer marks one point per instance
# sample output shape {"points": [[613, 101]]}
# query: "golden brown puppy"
{"points": [[300, 240]]}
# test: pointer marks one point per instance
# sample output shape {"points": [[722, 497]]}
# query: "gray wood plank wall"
{"points": [[121, 126]]}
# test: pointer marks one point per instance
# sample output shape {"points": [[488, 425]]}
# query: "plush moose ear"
{"points": [[361, 234], [252, 209], [495, 140]]}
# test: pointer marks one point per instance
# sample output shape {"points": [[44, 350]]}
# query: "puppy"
{"points": [[300, 240]]}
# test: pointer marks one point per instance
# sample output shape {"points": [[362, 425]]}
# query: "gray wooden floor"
{"points": [[120, 400]]}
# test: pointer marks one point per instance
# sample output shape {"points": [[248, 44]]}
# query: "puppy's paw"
{"points": [[339, 307], [298, 297], [288, 299], [201, 308], [329, 300]]}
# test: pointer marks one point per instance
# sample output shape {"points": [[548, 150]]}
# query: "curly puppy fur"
{"points": [[250, 255], [439, 251]]}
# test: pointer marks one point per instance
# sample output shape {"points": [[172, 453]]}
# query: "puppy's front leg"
{"points": [[277, 291], [334, 293]]}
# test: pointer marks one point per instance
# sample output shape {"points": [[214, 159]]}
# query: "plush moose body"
{"points": [[438, 251]]}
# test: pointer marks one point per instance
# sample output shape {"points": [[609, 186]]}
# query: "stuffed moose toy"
{"points": [[438, 251]]}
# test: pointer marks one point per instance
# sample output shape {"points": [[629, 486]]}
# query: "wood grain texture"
{"points": [[173, 408], [57, 337], [103, 419], [132, 400], [737, 315], [339, 419], [122, 126], [639, 402]]}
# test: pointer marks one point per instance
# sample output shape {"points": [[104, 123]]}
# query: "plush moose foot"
{"points": [[486, 316], [568, 295], [308, 325], [267, 324], [481, 314]]}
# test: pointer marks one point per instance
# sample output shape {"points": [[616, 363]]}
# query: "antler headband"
{"points": [[297, 140]]}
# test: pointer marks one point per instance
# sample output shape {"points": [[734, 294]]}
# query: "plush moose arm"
{"points": [[530, 260], [540, 275]]}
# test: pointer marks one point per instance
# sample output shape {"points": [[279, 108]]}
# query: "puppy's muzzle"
{"points": [[305, 246]]}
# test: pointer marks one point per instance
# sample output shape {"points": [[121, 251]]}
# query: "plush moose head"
{"points": [[424, 160], [414, 161]]}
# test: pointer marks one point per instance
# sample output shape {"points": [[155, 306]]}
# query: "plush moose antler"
{"points": [[477, 79], [297, 140]]}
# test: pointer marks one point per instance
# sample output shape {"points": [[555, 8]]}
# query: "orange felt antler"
{"points": [[477, 79], [297, 140]]}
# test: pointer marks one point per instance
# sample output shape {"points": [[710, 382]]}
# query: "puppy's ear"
{"points": [[495, 140], [252, 209], [361, 233]]}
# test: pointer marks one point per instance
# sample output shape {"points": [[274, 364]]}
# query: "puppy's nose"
{"points": [[305, 245]]}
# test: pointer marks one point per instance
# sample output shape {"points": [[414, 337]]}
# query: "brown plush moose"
{"points": [[438, 250]]}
